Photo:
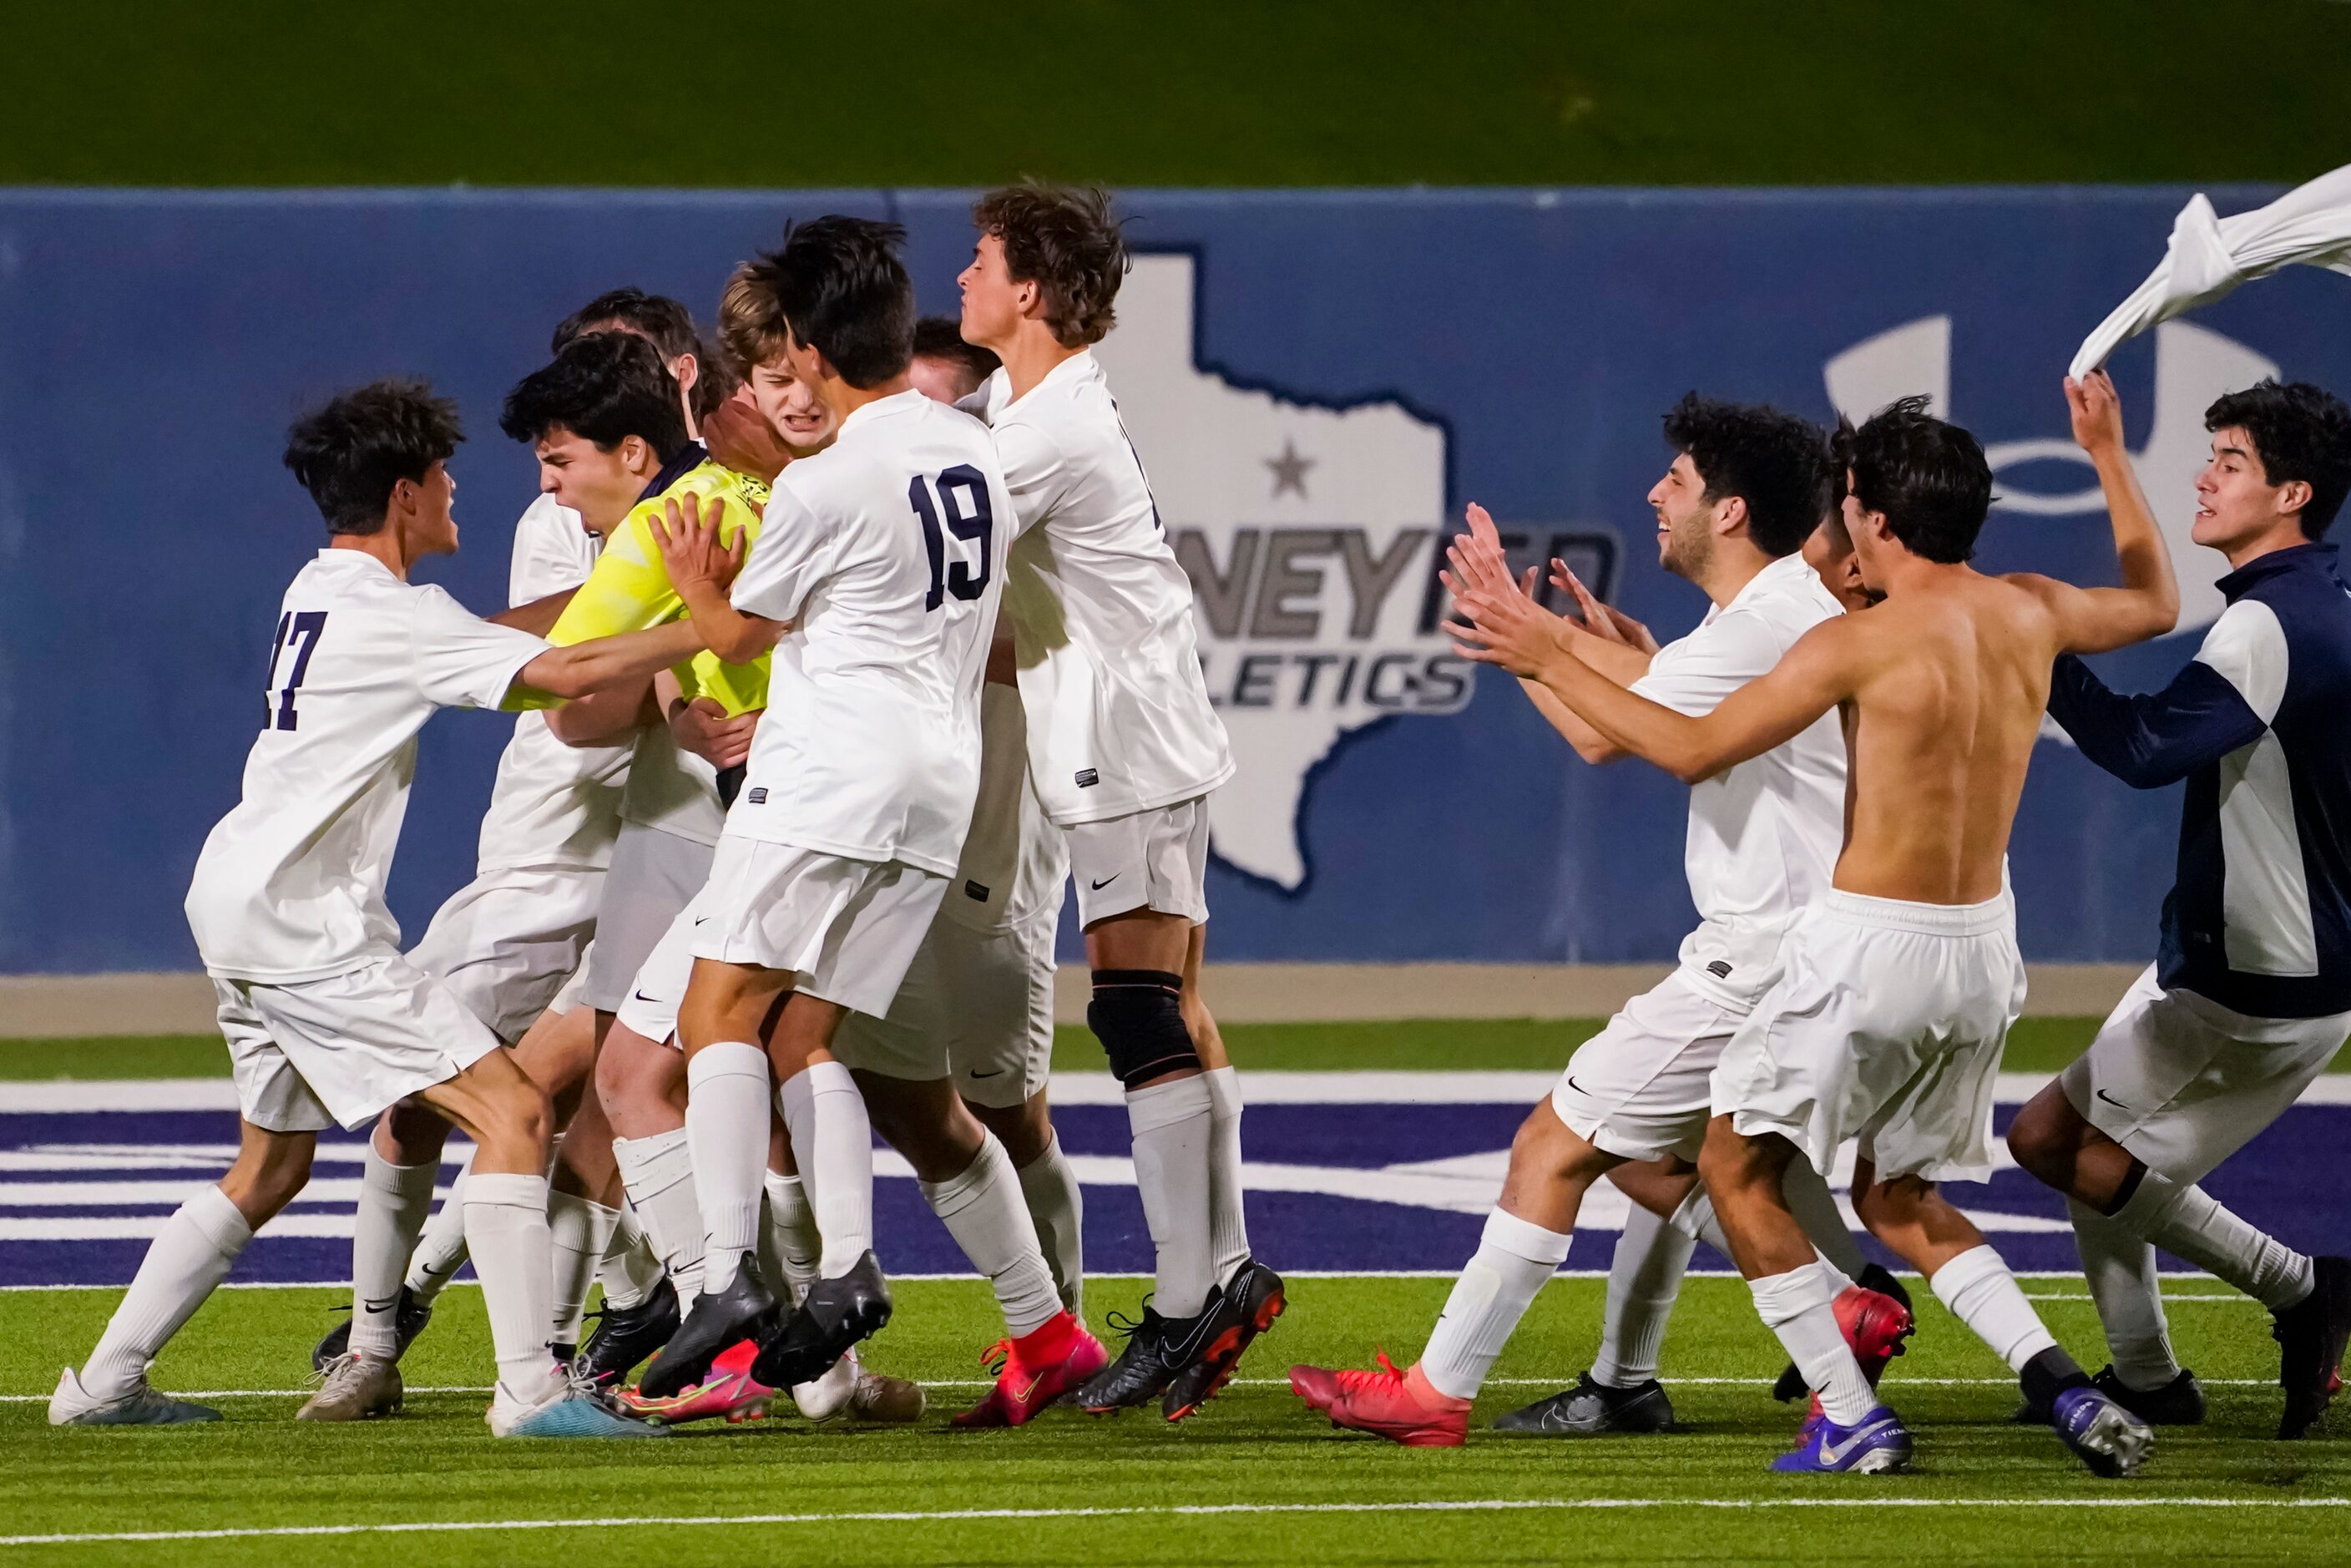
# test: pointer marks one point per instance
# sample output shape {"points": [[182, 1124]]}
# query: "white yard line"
{"points": [[1192, 1511]]}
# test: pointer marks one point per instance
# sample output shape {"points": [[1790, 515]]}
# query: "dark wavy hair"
{"points": [[604, 387], [1927, 475], [350, 451], [1064, 240], [2300, 431], [1775, 462], [941, 338], [670, 327]]}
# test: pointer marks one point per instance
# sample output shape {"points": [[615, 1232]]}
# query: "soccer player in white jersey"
{"points": [[327, 1022], [880, 569], [1746, 489], [507, 943], [967, 1041], [1123, 748]]}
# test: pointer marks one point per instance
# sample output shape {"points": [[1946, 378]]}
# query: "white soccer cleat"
{"points": [[73, 1405]]}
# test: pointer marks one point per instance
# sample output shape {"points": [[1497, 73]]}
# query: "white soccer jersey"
{"points": [[1014, 858], [553, 804], [885, 551], [1764, 836], [289, 886], [1119, 719]]}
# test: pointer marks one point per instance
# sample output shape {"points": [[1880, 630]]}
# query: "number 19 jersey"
{"points": [[290, 884], [1119, 719], [885, 552]]}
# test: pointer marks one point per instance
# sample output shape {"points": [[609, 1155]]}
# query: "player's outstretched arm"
{"points": [[2093, 620], [1817, 673], [1479, 560], [700, 569], [626, 659], [2154, 739]]}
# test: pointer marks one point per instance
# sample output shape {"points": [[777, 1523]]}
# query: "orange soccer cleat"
{"points": [[1038, 1368], [1398, 1405], [1875, 1326]]}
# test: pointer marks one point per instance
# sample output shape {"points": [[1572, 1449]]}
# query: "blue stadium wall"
{"points": [[1318, 382]]}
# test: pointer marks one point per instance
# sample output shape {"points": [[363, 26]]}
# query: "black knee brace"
{"points": [[1138, 1016]]}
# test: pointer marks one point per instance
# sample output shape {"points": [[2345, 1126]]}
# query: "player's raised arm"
{"points": [[1818, 673], [700, 569], [2093, 620], [1477, 560]]}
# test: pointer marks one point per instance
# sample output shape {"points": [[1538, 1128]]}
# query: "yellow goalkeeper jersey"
{"points": [[630, 589]]}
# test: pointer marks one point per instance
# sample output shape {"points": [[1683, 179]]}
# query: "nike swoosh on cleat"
{"points": [[1831, 1454]]}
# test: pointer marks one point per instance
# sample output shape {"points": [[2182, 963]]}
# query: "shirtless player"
{"points": [[1897, 988]]}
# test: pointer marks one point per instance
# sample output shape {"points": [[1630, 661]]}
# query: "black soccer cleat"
{"points": [[623, 1336], [1791, 1385], [2311, 1335], [831, 1319], [720, 1320], [1244, 1308], [408, 1320], [1591, 1410], [1158, 1348], [2178, 1403]]}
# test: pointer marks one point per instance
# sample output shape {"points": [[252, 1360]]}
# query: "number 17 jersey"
{"points": [[885, 552], [290, 884]]}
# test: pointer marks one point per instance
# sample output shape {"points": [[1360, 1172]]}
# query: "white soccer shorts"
{"points": [[314, 1054], [654, 874], [506, 943], [846, 929], [975, 1006], [1887, 1023], [1643, 1087], [1156, 860], [2183, 1082]]}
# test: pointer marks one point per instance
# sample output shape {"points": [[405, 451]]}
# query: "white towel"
{"points": [[2210, 255]]}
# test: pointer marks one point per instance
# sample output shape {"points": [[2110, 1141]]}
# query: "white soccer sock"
{"points": [[506, 1231], [2185, 1222], [832, 1142], [982, 1210], [1806, 1192], [1049, 1188], [1644, 1278], [393, 1203], [1795, 1306], [1513, 1260], [790, 1240], [1228, 1242], [187, 1261], [630, 1269], [579, 1230], [657, 1172], [1174, 1128], [2120, 1268], [1982, 1293], [726, 1128], [440, 1251]]}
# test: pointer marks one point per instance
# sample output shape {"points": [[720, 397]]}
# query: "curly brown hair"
{"points": [[1063, 239]]}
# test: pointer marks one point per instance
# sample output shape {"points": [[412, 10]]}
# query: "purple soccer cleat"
{"points": [[1877, 1444], [2107, 1437]]}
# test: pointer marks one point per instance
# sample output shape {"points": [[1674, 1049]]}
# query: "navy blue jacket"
{"points": [[2259, 724]]}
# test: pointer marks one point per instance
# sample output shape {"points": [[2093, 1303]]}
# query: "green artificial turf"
{"points": [[1218, 92], [2001, 1490], [1411, 1045]]}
